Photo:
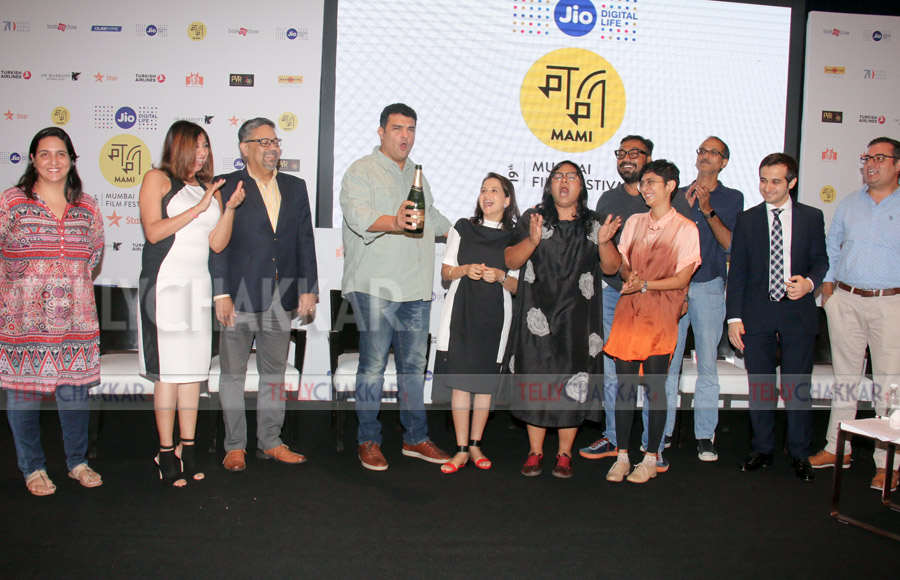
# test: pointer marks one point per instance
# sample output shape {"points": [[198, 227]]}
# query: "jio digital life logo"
{"points": [[126, 118], [124, 160], [573, 100], [575, 17]]}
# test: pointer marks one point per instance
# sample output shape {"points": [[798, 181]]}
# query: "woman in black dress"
{"points": [[555, 349], [477, 314]]}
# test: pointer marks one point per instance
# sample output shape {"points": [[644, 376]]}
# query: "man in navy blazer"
{"points": [[267, 271], [766, 310]]}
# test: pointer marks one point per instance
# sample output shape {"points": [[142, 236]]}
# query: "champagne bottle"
{"points": [[417, 196]]}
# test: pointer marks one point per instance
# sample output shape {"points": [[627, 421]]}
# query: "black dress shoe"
{"points": [[803, 469], [755, 461]]}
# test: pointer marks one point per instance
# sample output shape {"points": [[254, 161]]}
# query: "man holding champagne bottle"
{"points": [[388, 279]]}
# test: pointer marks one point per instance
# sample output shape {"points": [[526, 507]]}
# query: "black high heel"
{"points": [[484, 462], [189, 460], [169, 466]]}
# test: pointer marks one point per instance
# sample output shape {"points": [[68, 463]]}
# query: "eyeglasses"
{"points": [[704, 151], [632, 153], [570, 176], [879, 158], [265, 141], [645, 183]]}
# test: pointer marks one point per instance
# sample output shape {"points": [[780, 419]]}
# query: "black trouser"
{"points": [[656, 369]]}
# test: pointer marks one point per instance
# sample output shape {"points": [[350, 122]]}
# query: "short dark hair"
{"points": [[178, 155], [30, 177], [726, 154], [781, 159], [892, 142], [648, 144], [252, 125], [396, 109], [665, 169], [510, 212]]}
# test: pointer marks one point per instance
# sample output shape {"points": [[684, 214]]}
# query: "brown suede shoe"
{"points": [[234, 460], [371, 458], [427, 451], [825, 459], [282, 454], [880, 477]]}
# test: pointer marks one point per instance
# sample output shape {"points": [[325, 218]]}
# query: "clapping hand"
{"points": [[535, 229], [207, 197], [237, 198], [609, 229]]}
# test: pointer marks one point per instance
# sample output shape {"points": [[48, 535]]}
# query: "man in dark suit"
{"points": [[267, 271], [778, 258]]}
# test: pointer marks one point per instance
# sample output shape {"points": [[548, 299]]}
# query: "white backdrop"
{"points": [[473, 71], [115, 75], [850, 97]]}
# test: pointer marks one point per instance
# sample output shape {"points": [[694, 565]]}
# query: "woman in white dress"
{"points": [[181, 223]]}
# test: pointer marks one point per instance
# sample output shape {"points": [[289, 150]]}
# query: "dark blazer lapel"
{"points": [[286, 200]]}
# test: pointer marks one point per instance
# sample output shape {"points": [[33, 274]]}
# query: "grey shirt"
{"points": [[390, 265], [618, 202]]}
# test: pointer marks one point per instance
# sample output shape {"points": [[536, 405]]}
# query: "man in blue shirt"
{"points": [[714, 208], [861, 297]]}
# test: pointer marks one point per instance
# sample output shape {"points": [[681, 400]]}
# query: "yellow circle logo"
{"points": [[573, 100], [196, 31], [60, 116], [287, 121], [124, 160], [827, 194]]}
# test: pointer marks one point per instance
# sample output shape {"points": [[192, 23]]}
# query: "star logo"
{"points": [[98, 78], [114, 219], [234, 121], [8, 114]]}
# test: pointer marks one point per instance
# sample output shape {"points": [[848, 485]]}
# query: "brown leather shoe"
{"points": [[234, 460], [825, 459], [427, 451], [283, 455], [881, 476], [371, 458]]}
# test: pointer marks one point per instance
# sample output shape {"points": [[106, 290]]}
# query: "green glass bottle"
{"points": [[417, 196]]}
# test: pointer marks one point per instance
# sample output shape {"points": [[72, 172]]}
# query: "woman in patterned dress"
{"points": [[51, 238], [554, 351], [660, 251], [183, 218]]}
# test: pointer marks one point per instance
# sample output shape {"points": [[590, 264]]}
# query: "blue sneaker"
{"points": [[662, 465], [599, 449]]}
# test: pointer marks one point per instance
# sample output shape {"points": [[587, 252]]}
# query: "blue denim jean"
{"points": [[23, 409], [706, 315], [403, 325]]}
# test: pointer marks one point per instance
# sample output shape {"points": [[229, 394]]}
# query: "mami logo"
{"points": [[575, 17], [287, 121], [573, 100], [124, 160], [60, 116], [196, 31]]}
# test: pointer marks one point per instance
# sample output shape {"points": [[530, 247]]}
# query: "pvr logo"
{"points": [[124, 160], [573, 100]]}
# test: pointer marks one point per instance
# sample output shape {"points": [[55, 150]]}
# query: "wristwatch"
{"points": [[644, 287], [505, 276], [710, 215]]}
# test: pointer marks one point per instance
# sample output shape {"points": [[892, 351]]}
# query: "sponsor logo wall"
{"points": [[115, 79], [850, 98]]}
